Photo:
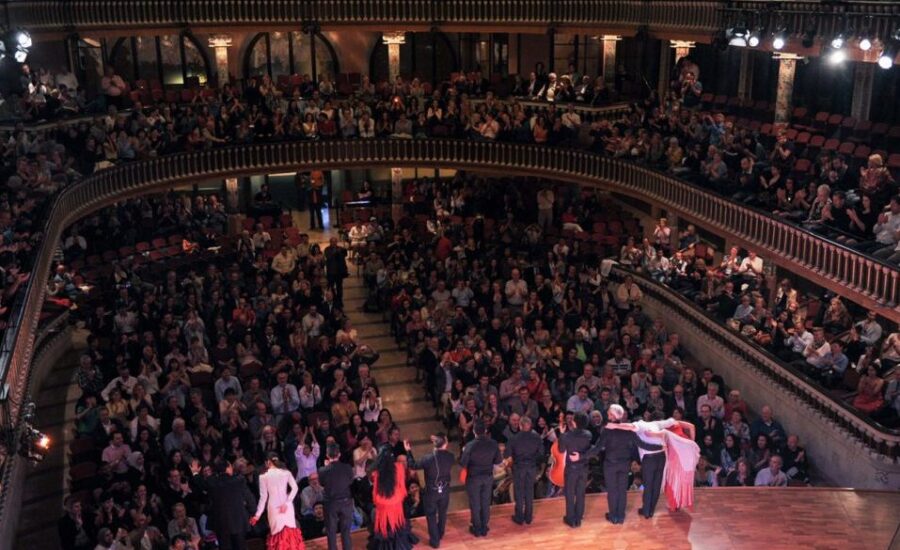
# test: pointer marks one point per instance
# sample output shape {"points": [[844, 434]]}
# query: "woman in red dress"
{"points": [[391, 528]]}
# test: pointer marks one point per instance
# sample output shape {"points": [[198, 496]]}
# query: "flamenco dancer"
{"points": [[277, 490], [391, 529], [671, 468]]}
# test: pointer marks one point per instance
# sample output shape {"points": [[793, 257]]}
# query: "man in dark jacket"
{"points": [[526, 448], [230, 504], [337, 477], [479, 457], [336, 269]]}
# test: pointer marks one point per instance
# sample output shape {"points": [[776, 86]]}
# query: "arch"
{"points": [[416, 44], [291, 52], [190, 60]]}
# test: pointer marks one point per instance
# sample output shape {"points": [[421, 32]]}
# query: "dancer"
{"points": [[337, 477], [277, 490], [391, 528], [478, 458], [618, 447], [679, 461], [573, 442], [437, 465], [526, 449]]}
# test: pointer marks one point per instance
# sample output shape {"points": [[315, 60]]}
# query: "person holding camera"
{"points": [[437, 465]]}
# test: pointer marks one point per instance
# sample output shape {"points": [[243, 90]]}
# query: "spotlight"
{"points": [[838, 41], [34, 445], [23, 39], [21, 55], [837, 57], [778, 41], [737, 36], [754, 38], [865, 43]]}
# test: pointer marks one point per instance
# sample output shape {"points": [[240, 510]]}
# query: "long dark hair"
{"points": [[385, 467], [276, 461]]}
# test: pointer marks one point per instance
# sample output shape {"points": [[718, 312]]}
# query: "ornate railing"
{"points": [[674, 17], [878, 439], [699, 16], [831, 264]]}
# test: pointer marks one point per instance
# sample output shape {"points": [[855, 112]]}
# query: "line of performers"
{"points": [[666, 448]]}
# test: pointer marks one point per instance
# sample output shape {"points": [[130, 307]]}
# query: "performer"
{"points": [[437, 465], [337, 477], [230, 503], [679, 461], [526, 449], [618, 447], [391, 529], [277, 490], [572, 443], [316, 201], [479, 457], [336, 269]]}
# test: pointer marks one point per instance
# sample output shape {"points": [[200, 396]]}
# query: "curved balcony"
{"points": [[829, 264]]}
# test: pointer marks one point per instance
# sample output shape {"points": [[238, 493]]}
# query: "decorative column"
{"points": [[220, 44], [394, 40], [682, 48], [609, 58], [745, 76], [863, 81], [396, 194], [787, 68]]}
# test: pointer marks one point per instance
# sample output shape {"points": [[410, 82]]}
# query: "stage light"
{"points": [[737, 36], [778, 41], [754, 38], [865, 43], [838, 41], [23, 39], [21, 55], [837, 57]]}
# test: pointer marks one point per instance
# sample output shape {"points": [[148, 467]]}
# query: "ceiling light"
{"points": [[23, 39], [778, 41], [865, 43], [837, 57], [838, 41], [888, 54]]}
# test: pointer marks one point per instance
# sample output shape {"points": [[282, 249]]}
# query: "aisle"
{"points": [[400, 392]]}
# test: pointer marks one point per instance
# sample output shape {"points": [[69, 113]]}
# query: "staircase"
{"points": [[413, 412]]}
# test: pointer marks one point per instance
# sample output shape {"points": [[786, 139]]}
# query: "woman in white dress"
{"points": [[277, 490]]}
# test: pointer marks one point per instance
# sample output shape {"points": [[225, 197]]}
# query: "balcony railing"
{"points": [[862, 279], [699, 16], [876, 438]]}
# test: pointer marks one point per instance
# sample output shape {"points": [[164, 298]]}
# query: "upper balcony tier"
{"points": [[689, 19]]}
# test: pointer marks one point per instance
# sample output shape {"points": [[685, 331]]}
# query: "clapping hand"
{"points": [[195, 466], [407, 445]]}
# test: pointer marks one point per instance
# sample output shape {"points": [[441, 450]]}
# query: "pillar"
{"points": [[682, 48], [609, 59], [665, 70], [220, 44], [863, 81], [745, 76], [394, 40], [396, 194], [787, 68]]}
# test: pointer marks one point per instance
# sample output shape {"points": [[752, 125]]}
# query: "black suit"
{"points": [[231, 504], [619, 448], [336, 271], [526, 450], [479, 457], [437, 466], [337, 478], [576, 473]]}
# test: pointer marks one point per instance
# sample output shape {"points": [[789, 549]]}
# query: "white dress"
{"points": [[277, 487]]}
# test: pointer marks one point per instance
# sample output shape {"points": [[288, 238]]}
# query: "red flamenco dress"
{"points": [[681, 461], [391, 528]]}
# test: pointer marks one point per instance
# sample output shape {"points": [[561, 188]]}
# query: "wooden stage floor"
{"points": [[723, 518]]}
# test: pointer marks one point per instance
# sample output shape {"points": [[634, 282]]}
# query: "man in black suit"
{"points": [[479, 457], [437, 465], [336, 269], [576, 440], [337, 477], [230, 503], [619, 448], [526, 448]]}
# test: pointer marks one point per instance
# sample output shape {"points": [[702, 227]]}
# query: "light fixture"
{"points": [[838, 41], [778, 40], [2, 49], [737, 36], [21, 55], [865, 43], [754, 38], [836, 57], [23, 39]]}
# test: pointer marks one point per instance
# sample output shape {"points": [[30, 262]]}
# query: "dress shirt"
{"points": [[285, 399]]}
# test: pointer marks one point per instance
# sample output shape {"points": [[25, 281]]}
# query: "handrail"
{"points": [[878, 438], [826, 262], [53, 16]]}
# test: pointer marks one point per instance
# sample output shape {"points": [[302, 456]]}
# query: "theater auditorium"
{"points": [[462, 274]]}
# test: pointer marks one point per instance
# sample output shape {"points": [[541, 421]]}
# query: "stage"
{"points": [[724, 518]]}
